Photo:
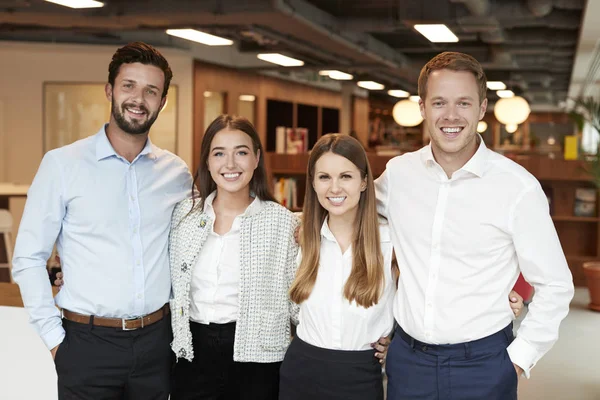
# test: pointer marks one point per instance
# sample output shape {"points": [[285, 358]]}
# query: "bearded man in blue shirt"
{"points": [[106, 201]]}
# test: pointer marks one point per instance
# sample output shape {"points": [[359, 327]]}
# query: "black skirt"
{"points": [[314, 373]]}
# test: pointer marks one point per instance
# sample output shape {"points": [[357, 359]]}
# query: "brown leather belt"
{"points": [[125, 324]]}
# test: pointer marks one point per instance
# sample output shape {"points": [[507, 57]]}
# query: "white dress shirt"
{"points": [[460, 244], [215, 280], [327, 319], [112, 220]]}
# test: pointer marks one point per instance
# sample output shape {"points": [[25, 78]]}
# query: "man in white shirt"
{"points": [[107, 201], [464, 222]]}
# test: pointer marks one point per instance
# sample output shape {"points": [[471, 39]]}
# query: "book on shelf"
{"points": [[286, 192], [291, 141], [585, 202], [571, 147]]}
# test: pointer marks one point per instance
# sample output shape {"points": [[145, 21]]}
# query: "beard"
{"points": [[133, 127]]}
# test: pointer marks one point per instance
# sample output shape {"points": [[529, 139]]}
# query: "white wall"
{"points": [[24, 67]]}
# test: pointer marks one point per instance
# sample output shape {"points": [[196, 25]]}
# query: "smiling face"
{"points": [[338, 184], [232, 161], [451, 111], [136, 97]]}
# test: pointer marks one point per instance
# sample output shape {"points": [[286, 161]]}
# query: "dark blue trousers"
{"points": [[477, 370]]}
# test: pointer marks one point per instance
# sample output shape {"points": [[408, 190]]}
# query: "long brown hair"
{"points": [[365, 282], [204, 181]]}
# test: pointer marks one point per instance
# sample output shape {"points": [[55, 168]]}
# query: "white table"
{"points": [[26, 368]]}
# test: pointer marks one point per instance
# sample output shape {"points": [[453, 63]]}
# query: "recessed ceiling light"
{"points": [[200, 37], [436, 33], [496, 85], [505, 94], [370, 85], [398, 93], [280, 59], [78, 3], [414, 98], [340, 76], [324, 72]]}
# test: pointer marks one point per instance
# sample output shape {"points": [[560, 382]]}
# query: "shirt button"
{"points": [[137, 263], [139, 296], [429, 305], [132, 198]]}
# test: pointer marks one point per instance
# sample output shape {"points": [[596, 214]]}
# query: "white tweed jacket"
{"points": [[268, 266]]}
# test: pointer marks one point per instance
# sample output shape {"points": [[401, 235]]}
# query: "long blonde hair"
{"points": [[365, 283]]}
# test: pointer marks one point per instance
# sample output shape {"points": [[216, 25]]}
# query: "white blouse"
{"points": [[327, 319], [215, 279]]}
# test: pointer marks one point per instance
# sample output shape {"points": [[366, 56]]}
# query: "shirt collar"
{"points": [[326, 232], [104, 149], [252, 209], [476, 165]]}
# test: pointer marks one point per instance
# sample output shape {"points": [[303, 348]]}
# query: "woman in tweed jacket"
{"points": [[232, 253]]}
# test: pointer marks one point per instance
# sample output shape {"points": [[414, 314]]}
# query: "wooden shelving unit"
{"points": [[579, 236]]}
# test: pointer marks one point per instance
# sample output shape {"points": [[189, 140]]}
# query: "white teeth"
{"points": [[336, 199], [135, 111], [230, 176], [451, 130]]}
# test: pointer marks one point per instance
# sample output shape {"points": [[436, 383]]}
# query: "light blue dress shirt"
{"points": [[112, 220]]}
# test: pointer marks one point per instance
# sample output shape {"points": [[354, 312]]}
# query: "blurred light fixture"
{"points": [[496, 85], [280, 59], [407, 113], [505, 94], [481, 126], [370, 85], [436, 33], [207, 94], [513, 110], [78, 3], [340, 76], [199, 37], [247, 97], [511, 128], [398, 93], [414, 98]]}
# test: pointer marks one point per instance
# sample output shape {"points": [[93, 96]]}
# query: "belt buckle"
{"points": [[124, 322]]}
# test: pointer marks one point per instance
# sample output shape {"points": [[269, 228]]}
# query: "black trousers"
{"points": [[98, 363], [213, 375], [313, 373], [475, 370]]}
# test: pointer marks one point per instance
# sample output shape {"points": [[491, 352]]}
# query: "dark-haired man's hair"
{"points": [[139, 52]]}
